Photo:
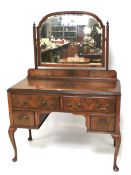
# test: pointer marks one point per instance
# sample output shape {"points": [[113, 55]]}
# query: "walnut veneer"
{"points": [[95, 94]]}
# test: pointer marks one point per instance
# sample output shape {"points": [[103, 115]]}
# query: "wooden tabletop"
{"points": [[71, 86]]}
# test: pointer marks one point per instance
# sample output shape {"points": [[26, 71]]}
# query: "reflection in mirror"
{"points": [[71, 39]]}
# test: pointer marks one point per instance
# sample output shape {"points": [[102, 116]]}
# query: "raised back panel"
{"points": [[60, 73]]}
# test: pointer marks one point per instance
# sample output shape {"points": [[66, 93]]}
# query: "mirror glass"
{"points": [[71, 39]]}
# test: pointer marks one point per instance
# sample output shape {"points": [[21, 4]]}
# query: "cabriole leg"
{"points": [[117, 141], [114, 143], [30, 135], [12, 139]]}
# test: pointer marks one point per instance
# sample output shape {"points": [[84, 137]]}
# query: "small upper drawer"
{"points": [[24, 118], [35, 101], [91, 104]]}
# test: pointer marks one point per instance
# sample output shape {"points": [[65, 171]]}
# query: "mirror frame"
{"points": [[105, 44]]}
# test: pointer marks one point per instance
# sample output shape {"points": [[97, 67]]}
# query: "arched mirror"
{"points": [[70, 39]]}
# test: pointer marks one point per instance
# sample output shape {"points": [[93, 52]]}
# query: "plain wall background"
{"points": [[16, 57]]}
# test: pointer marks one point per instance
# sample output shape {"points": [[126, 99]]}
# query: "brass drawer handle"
{"points": [[102, 122], [45, 103], [25, 102], [100, 107], [69, 104], [78, 105], [23, 117]]}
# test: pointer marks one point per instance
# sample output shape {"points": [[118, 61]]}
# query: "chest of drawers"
{"points": [[98, 100]]}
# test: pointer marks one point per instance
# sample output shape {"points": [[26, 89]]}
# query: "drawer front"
{"points": [[102, 123], [91, 104], [35, 101], [24, 118]]}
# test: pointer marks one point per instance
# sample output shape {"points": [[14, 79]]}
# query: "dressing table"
{"points": [[71, 74]]}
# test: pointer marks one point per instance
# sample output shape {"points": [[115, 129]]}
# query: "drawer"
{"points": [[35, 101], [102, 123], [91, 104], [24, 118]]}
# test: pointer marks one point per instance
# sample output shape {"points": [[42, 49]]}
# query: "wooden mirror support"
{"points": [[86, 89]]}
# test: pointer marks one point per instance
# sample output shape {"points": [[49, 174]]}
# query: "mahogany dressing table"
{"points": [[72, 47]]}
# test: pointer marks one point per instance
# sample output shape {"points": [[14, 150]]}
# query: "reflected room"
{"points": [[71, 39]]}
